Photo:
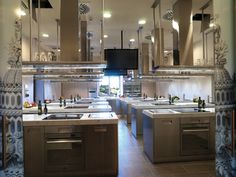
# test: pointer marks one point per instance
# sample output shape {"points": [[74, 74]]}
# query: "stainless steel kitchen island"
{"points": [[71, 144], [184, 134]]}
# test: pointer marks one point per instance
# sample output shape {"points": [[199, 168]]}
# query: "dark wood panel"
{"points": [[33, 151]]}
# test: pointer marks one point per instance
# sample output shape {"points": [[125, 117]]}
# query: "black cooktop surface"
{"points": [[63, 116]]}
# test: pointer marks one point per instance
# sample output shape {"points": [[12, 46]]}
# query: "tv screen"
{"points": [[121, 59]]}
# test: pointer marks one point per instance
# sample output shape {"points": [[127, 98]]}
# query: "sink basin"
{"points": [[162, 111], [190, 110], [63, 116], [77, 107], [100, 115], [83, 102], [161, 103]]}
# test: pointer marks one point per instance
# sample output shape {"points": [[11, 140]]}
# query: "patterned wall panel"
{"points": [[225, 104], [11, 107]]}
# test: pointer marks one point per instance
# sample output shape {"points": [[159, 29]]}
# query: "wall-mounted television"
{"points": [[121, 59]]}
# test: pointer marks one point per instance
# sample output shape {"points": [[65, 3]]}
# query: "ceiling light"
{"points": [[105, 36], [107, 14], [58, 50], [20, 12], [45, 35], [152, 39], [132, 40], [211, 25], [142, 22], [175, 25]]}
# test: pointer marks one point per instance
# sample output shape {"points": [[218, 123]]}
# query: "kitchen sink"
{"points": [[63, 116], [190, 110], [100, 115], [77, 107], [83, 102], [161, 103]]}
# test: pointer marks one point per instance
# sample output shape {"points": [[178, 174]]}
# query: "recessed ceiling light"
{"points": [[45, 35], [152, 39], [211, 25], [105, 36], [20, 12], [107, 14], [132, 40], [142, 22]]}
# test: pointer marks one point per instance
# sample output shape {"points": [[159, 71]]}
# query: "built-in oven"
{"points": [[64, 149], [195, 136]]}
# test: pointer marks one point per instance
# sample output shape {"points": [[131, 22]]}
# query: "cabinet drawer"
{"points": [[194, 120], [63, 129]]}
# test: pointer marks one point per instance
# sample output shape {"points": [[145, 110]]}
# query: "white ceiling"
{"points": [[125, 16]]}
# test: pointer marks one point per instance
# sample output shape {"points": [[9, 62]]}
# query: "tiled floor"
{"points": [[134, 163]]}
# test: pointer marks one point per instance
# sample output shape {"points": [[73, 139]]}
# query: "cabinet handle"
{"points": [[100, 130], [63, 141], [196, 130]]}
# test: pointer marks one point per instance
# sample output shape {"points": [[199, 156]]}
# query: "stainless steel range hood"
{"points": [[70, 61]]}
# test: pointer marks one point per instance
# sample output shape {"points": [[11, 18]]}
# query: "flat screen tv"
{"points": [[121, 59]]}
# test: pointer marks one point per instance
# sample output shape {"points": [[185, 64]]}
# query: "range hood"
{"points": [[70, 63]]}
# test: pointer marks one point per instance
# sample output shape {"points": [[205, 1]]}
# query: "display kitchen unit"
{"points": [[117, 88]]}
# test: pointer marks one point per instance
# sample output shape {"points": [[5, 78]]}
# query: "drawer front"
{"points": [[193, 120]]}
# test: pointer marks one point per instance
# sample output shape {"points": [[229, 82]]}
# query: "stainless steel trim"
{"points": [[196, 130], [63, 141]]}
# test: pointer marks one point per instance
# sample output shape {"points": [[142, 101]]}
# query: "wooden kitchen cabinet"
{"points": [[101, 149], [33, 151], [179, 138], [93, 151]]}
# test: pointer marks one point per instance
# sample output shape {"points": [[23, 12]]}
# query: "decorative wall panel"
{"points": [[225, 104], [11, 106]]}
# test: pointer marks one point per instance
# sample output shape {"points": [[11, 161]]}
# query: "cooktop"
{"points": [[63, 116]]}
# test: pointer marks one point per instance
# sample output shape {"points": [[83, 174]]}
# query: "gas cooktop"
{"points": [[63, 116]]}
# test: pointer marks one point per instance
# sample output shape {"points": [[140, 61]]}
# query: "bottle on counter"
{"points": [[60, 99], [74, 99], [45, 110], [40, 110], [71, 99], [199, 103], [170, 99], [203, 104], [64, 103]]}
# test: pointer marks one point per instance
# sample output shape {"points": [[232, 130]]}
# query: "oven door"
{"points": [[195, 139], [64, 152]]}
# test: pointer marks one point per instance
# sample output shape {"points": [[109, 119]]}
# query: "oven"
{"points": [[64, 149], [195, 136]]}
